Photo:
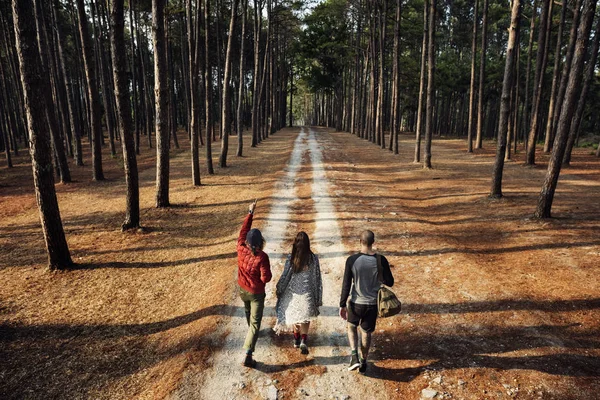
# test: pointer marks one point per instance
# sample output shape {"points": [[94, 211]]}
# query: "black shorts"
{"points": [[362, 315]]}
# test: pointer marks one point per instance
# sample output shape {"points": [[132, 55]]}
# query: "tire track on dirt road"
{"points": [[226, 378], [330, 347]]}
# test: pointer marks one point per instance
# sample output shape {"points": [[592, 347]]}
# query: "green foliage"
{"points": [[323, 50]]}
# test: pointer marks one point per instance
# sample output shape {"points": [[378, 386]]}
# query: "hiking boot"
{"points": [[354, 363], [363, 366], [297, 341], [249, 361], [303, 347]]}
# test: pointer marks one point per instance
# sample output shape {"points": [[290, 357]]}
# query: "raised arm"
{"points": [[246, 225]]}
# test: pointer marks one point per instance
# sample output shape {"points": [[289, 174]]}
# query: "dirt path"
{"points": [[282, 372]]}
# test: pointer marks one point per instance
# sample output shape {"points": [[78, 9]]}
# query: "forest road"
{"points": [[282, 372]]}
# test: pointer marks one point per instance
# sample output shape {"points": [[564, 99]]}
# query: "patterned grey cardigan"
{"points": [[315, 280]]}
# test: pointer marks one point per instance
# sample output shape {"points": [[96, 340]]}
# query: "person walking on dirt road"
{"points": [[254, 271], [299, 292], [358, 302]]}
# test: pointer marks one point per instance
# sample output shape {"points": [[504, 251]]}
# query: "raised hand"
{"points": [[252, 206]]}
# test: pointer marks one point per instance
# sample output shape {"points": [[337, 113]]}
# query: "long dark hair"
{"points": [[301, 252]]}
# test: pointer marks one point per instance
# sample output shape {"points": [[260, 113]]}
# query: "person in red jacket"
{"points": [[254, 271]]}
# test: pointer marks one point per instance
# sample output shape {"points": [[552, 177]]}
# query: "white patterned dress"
{"points": [[299, 295]]}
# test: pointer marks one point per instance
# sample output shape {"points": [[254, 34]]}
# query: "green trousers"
{"points": [[254, 305]]}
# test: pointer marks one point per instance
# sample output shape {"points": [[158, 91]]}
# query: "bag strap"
{"points": [[379, 268]]}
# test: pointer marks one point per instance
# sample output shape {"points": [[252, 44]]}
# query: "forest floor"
{"points": [[495, 304]]}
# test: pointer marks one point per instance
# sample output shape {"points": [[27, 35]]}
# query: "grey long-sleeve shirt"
{"points": [[360, 279]]}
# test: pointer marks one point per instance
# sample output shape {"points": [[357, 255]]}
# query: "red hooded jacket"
{"points": [[254, 271]]}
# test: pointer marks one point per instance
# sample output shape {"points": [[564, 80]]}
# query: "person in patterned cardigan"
{"points": [[299, 292]]}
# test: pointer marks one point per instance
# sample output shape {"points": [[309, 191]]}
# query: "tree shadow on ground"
{"points": [[153, 264], [79, 360], [574, 365], [502, 305], [66, 358], [13, 332], [552, 349]]}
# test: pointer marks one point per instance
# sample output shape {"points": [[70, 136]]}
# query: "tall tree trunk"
{"points": [[194, 46], [92, 87], [262, 94], [217, 38], [546, 197], [146, 100], [379, 125], [524, 122], [365, 100], [104, 80], [515, 135], [557, 57], [4, 136], [564, 77], [258, 6], [430, 84], [51, 113], [124, 119], [185, 67], [588, 76], [507, 87], [33, 83], [396, 96], [372, 81], [208, 89], [67, 82], [540, 68], [242, 83], [482, 59], [172, 81], [472, 84], [514, 96], [60, 78], [355, 85], [134, 80], [226, 102], [421, 83], [161, 95], [272, 81]]}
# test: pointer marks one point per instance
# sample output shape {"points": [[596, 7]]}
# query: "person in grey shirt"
{"points": [[358, 302]]}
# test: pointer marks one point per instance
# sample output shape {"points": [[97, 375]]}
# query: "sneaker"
{"points": [[363, 366], [297, 341], [353, 363], [249, 361], [303, 347]]}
